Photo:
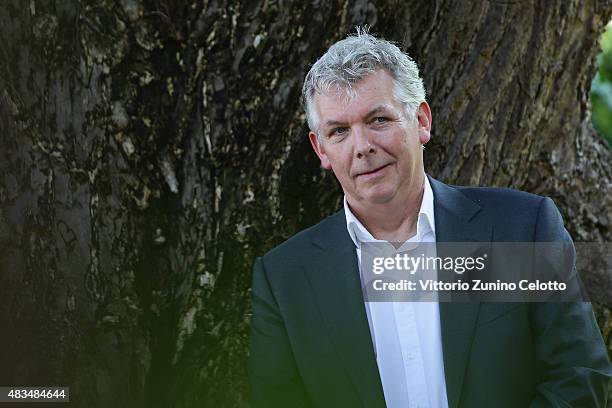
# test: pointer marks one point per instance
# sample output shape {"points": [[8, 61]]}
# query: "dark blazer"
{"points": [[310, 341]]}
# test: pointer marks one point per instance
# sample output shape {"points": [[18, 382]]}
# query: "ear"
{"points": [[319, 150], [424, 122]]}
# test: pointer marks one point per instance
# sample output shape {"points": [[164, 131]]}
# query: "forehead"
{"points": [[374, 91]]}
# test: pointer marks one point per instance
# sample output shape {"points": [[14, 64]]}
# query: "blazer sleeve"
{"points": [[273, 375], [572, 362]]}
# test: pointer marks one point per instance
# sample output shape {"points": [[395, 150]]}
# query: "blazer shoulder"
{"points": [[500, 198], [514, 211]]}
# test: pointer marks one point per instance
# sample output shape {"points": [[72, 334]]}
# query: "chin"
{"points": [[379, 197]]}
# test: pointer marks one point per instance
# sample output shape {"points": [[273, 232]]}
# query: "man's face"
{"points": [[369, 143]]}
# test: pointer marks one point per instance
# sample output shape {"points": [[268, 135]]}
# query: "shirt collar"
{"points": [[425, 221]]}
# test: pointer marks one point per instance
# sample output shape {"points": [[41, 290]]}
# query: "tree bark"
{"points": [[150, 150]]}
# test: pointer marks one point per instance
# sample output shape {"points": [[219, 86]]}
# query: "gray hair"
{"points": [[350, 60]]}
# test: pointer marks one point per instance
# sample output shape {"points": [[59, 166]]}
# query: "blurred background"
{"points": [[601, 88], [149, 150]]}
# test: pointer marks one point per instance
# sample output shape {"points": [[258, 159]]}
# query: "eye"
{"points": [[339, 131], [380, 119]]}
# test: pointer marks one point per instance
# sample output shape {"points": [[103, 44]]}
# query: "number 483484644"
{"points": [[36, 393]]}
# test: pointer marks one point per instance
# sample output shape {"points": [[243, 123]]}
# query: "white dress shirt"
{"points": [[406, 335]]}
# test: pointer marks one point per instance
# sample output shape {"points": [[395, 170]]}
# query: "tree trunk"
{"points": [[149, 151]]}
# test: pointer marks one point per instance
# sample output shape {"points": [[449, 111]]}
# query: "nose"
{"points": [[363, 143]]}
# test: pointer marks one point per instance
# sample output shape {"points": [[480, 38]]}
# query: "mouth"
{"points": [[373, 173]]}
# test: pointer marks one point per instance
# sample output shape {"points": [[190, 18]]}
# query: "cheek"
{"points": [[340, 158], [411, 144], [398, 146], [341, 167]]}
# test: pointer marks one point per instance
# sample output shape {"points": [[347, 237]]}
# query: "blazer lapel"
{"points": [[334, 277], [457, 220]]}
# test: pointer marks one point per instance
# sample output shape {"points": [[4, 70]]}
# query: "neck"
{"points": [[395, 221]]}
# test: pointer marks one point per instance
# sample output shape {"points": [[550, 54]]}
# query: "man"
{"points": [[315, 342]]}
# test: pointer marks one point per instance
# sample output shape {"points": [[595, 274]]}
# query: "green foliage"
{"points": [[601, 88]]}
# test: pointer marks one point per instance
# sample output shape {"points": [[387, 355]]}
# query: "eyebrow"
{"points": [[377, 109]]}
